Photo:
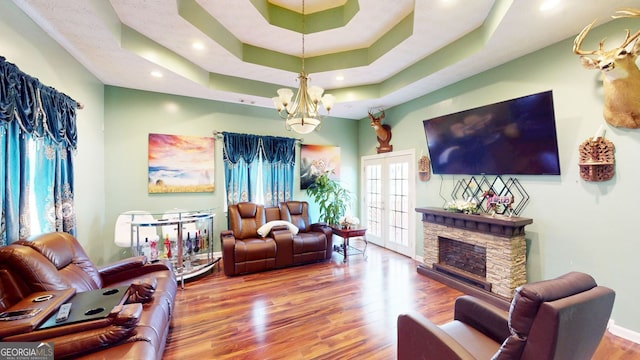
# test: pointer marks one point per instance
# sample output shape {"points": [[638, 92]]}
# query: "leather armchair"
{"points": [[314, 241], [562, 318], [243, 250]]}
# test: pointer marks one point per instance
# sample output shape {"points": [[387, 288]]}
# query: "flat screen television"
{"points": [[512, 137]]}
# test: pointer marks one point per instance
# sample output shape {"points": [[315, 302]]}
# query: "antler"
{"points": [[372, 115], [628, 12], [580, 38], [628, 39]]}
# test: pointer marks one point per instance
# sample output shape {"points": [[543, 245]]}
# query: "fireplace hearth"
{"points": [[479, 251], [463, 256]]}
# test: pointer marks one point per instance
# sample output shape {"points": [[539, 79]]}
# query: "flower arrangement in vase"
{"points": [[349, 221], [462, 206]]}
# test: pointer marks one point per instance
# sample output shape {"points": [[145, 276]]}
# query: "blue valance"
{"points": [[240, 146], [279, 149], [39, 110], [274, 149]]}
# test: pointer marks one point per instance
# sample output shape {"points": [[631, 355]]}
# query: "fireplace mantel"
{"points": [[503, 238], [499, 225]]}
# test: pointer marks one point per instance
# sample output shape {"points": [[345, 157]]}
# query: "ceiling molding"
{"points": [[388, 52]]}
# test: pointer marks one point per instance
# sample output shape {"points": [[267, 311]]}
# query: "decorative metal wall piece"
{"points": [[493, 197]]}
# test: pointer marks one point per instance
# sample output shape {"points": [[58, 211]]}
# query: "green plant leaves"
{"points": [[331, 197]]}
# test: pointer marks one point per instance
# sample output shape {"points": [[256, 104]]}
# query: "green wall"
{"points": [[130, 115], [577, 225]]}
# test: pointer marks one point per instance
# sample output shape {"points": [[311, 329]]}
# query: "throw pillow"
{"points": [[265, 229]]}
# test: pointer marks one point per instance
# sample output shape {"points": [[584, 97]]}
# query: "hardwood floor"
{"points": [[330, 310]]}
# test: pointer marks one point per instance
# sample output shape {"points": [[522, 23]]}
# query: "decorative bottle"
{"points": [[145, 249], [167, 246], [188, 249], [196, 243], [154, 250], [188, 244]]}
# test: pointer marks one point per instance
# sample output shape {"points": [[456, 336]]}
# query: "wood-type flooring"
{"points": [[329, 310]]}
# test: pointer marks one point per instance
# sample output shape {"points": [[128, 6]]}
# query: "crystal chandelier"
{"points": [[302, 114]]}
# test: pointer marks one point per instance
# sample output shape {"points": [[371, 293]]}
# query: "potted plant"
{"points": [[331, 197]]}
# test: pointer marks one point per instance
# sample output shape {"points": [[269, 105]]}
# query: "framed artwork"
{"points": [[318, 159], [180, 163]]}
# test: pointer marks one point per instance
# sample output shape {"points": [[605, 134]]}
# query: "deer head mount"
{"points": [[620, 74], [383, 132]]}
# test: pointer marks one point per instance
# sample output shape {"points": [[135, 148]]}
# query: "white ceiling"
{"points": [[104, 35]]}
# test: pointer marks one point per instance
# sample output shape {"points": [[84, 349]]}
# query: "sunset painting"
{"points": [[180, 163]]}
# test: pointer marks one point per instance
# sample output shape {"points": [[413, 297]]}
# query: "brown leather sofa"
{"points": [[55, 263], [562, 318], [246, 251]]}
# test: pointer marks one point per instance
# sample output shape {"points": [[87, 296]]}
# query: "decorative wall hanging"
{"points": [[383, 132], [316, 160], [424, 168], [597, 160], [620, 74], [181, 163]]}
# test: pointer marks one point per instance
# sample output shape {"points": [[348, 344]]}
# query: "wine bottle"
{"points": [[188, 244], [196, 244]]}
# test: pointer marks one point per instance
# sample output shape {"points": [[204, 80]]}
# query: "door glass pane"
{"points": [[398, 203], [374, 199]]}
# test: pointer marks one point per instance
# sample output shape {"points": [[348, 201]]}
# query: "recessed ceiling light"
{"points": [[339, 77], [156, 74], [198, 45], [549, 4], [448, 2]]}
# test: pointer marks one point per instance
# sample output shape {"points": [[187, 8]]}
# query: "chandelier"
{"points": [[302, 114]]}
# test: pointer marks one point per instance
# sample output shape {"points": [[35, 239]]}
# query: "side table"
{"points": [[345, 234]]}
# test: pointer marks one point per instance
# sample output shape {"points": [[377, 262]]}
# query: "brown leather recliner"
{"points": [[246, 251], [314, 241], [243, 250], [562, 318], [56, 262]]}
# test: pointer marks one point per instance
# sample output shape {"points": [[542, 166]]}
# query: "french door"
{"points": [[388, 200]]}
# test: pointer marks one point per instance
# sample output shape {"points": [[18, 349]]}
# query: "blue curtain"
{"points": [[239, 153], [37, 131], [258, 167], [277, 168]]}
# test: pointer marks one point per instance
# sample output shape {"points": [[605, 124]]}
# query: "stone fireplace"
{"points": [[475, 251]]}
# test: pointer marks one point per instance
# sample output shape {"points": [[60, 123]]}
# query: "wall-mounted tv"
{"points": [[512, 137]]}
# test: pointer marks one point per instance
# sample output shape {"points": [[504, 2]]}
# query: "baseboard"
{"points": [[624, 333]]}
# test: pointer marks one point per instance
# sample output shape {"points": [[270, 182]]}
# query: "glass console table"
{"points": [[188, 234]]}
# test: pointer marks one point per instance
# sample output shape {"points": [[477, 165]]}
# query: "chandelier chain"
{"points": [[303, 30]]}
